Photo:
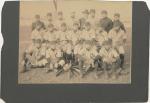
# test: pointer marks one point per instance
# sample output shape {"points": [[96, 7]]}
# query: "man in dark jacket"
{"points": [[118, 22], [105, 22], [37, 21]]}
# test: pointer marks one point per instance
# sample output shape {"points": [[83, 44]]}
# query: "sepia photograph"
{"points": [[75, 41]]}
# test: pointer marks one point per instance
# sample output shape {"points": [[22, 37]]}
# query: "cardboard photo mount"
{"points": [[137, 91]]}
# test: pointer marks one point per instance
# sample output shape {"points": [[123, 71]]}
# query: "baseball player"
{"points": [[37, 21], [109, 57], [105, 22], [88, 34], [84, 19], [118, 37], [118, 22]]}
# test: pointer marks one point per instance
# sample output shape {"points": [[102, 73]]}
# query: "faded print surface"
{"points": [[74, 41]]}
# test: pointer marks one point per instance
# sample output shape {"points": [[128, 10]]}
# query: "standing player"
{"points": [[118, 22], [37, 21], [60, 20], [73, 19], [84, 19], [105, 22], [49, 19], [92, 18]]}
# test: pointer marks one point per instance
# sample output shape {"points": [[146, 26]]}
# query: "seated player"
{"points": [[118, 37], [110, 58], [35, 56], [88, 54], [89, 58], [51, 58]]}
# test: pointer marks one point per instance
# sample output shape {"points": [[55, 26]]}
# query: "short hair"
{"points": [[117, 14], [103, 12], [60, 13], [37, 16], [49, 14], [92, 10], [63, 24]]}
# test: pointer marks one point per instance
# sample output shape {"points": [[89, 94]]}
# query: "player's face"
{"points": [[38, 45], [51, 28], [104, 15], [37, 18], [107, 46], [44, 45], [92, 14], [49, 17], [60, 16], [63, 28], [88, 47], [85, 15], [72, 15], [116, 18]]}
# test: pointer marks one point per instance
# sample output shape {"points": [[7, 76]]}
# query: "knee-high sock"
{"points": [[122, 60]]}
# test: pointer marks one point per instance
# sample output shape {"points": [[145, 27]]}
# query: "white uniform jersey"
{"points": [[88, 35], [36, 35], [49, 22], [101, 37], [50, 36], [108, 56], [93, 22], [117, 37], [39, 57], [71, 22], [62, 36], [75, 36], [88, 55], [58, 23], [77, 49], [118, 40]]}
